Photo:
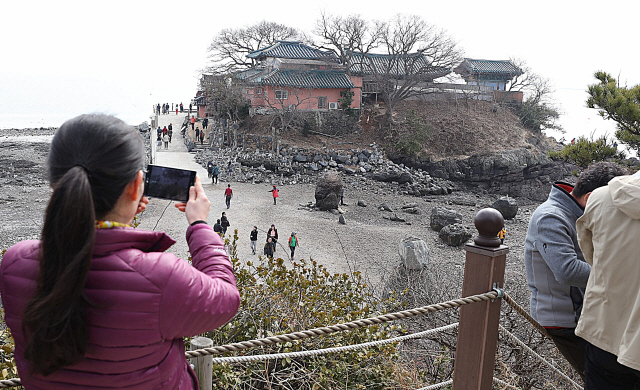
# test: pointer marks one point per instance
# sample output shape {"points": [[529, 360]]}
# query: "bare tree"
{"points": [[230, 47], [538, 110], [345, 35], [415, 53]]}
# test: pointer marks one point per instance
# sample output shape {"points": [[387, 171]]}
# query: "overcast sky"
{"points": [[64, 58]]}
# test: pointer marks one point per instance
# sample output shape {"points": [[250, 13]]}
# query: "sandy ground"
{"points": [[367, 243]]}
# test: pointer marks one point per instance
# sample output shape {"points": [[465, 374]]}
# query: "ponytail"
{"points": [[54, 320]]}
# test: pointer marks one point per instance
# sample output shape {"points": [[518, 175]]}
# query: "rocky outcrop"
{"points": [[520, 172], [441, 217], [455, 235], [414, 253], [507, 206], [328, 191]]}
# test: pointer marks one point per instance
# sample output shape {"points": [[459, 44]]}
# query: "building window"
{"points": [[281, 94], [259, 91], [322, 102]]}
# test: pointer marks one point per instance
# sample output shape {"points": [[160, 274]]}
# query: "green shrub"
{"points": [[276, 299], [413, 142], [586, 151]]}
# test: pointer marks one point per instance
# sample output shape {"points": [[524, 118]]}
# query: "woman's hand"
{"points": [[197, 208]]}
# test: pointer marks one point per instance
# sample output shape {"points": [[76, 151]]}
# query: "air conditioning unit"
{"points": [[333, 105]]}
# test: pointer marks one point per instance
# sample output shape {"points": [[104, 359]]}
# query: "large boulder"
{"points": [[414, 253], [328, 191], [441, 217], [507, 206], [455, 235]]}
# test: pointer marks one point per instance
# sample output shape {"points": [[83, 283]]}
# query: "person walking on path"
{"points": [[230, 169], [170, 132], [165, 131], [275, 193], [193, 122], [214, 174], [210, 169], [224, 222], [159, 133], [218, 228], [273, 235], [165, 138], [176, 110], [254, 239], [205, 123], [201, 137], [197, 134], [181, 107], [269, 247], [557, 272], [293, 243], [228, 194], [65, 336], [189, 108], [158, 108]]}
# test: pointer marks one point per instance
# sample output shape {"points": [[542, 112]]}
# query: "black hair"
{"points": [[91, 160], [597, 175]]}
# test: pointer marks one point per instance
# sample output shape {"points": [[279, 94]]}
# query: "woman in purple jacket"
{"points": [[95, 303]]}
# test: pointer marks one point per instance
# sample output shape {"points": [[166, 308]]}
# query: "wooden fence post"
{"points": [[204, 364], [478, 329]]}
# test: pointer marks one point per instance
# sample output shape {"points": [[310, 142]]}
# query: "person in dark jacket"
{"points": [[170, 131], [224, 222], [272, 234], [78, 320], [268, 248], [254, 239], [214, 174], [218, 228]]}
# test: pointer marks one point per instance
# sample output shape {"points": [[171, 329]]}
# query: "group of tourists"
{"points": [[580, 258], [272, 240], [164, 135], [166, 108]]}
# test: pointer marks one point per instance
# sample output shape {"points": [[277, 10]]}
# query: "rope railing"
{"points": [[316, 352], [5, 383], [520, 310], [505, 384], [537, 356], [437, 385], [305, 334]]}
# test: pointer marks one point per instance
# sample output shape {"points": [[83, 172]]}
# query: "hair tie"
{"points": [[85, 169]]}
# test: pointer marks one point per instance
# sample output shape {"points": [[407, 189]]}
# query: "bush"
{"points": [[414, 141], [275, 300], [588, 150]]}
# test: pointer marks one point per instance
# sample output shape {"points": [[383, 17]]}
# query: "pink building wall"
{"points": [[304, 99]]}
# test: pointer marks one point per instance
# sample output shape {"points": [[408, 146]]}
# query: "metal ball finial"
{"points": [[489, 222]]}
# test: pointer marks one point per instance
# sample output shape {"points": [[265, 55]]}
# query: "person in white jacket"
{"points": [[609, 235]]}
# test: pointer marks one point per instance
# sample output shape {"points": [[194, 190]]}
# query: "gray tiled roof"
{"points": [[306, 79], [488, 67], [414, 64], [293, 49]]}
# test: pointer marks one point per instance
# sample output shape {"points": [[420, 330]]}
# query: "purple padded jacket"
{"points": [[144, 302]]}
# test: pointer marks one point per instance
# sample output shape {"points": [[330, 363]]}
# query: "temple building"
{"points": [[488, 73]]}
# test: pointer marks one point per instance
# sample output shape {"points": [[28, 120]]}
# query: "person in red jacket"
{"points": [[275, 193], [95, 303], [228, 194]]}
